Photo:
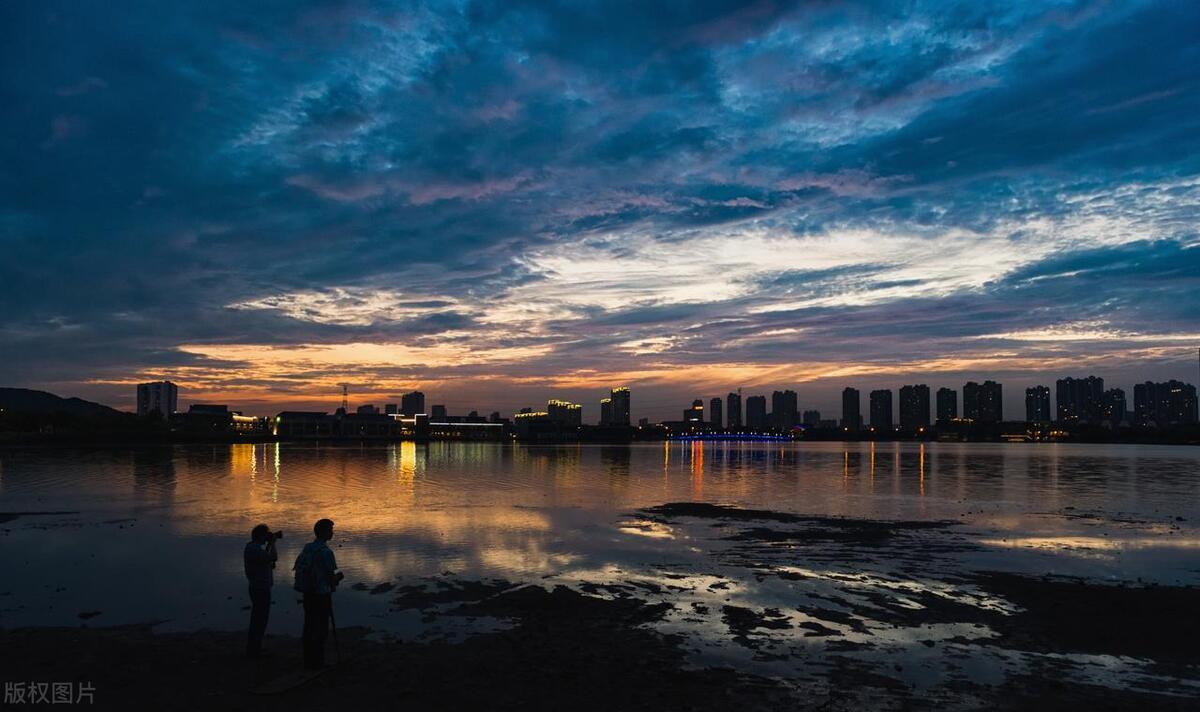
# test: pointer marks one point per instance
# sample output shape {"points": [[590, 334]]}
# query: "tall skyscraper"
{"points": [[160, 397], [1080, 400], [1037, 404], [914, 407], [412, 403], [784, 409], [971, 400], [733, 403], [606, 411], [1165, 404], [620, 406], [1143, 403], [947, 404], [983, 402], [851, 409], [756, 412], [695, 414], [564, 412], [991, 402], [881, 410], [714, 412], [1114, 406], [811, 418]]}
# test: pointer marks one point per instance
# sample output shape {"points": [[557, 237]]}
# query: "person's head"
{"points": [[323, 529], [260, 533]]}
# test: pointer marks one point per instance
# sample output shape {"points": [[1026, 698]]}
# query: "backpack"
{"points": [[305, 580]]}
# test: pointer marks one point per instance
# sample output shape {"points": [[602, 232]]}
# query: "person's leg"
{"points": [[310, 615], [251, 645], [320, 629], [260, 607]]}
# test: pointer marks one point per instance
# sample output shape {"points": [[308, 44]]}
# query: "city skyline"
{"points": [[909, 407], [508, 202]]}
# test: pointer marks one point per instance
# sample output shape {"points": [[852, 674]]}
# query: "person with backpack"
{"points": [[317, 577]]}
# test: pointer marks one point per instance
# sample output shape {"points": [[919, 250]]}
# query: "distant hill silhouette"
{"points": [[24, 400]]}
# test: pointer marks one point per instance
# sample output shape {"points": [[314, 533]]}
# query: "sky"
{"points": [[501, 202]]}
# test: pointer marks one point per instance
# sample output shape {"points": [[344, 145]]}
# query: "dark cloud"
{"points": [[626, 186]]}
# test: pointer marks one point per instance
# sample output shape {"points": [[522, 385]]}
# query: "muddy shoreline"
{"points": [[861, 609], [564, 650]]}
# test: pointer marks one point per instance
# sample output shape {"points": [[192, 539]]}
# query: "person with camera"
{"points": [[259, 558], [317, 577]]}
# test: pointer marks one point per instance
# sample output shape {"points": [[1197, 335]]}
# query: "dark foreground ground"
{"points": [[597, 648], [567, 651]]}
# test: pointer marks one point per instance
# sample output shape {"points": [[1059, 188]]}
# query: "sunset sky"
{"points": [[497, 203]]}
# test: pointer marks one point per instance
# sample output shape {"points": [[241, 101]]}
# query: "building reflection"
{"points": [[697, 469], [154, 476], [562, 463], [922, 469], [911, 469]]}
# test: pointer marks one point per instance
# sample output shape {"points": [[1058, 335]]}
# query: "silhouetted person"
{"points": [[259, 558], [317, 577]]}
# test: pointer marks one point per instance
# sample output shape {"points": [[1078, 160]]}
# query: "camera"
{"points": [[277, 535]]}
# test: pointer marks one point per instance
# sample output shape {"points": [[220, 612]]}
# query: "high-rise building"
{"points": [[947, 404], [914, 407], [160, 397], [1037, 404], [606, 411], [714, 412], [695, 414], [1143, 403], [881, 410], [1080, 400], [784, 409], [811, 418], [390, 409], [1114, 406], [564, 412], [438, 413], [733, 403], [1163, 404], [983, 402], [991, 402], [971, 400], [412, 403], [620, 406], [851, 409], [756, 412]]}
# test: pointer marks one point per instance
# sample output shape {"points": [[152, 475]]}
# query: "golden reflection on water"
{"points": [[241, 460], [505, 503], [922, 466], [872, 466]]}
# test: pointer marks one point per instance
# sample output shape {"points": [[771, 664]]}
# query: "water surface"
{"points": [[155, 534]]}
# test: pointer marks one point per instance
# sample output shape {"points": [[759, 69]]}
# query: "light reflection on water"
{"points": [[159, 530]]}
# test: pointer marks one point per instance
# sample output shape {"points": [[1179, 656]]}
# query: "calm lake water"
{"points": [[155, 534]]}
